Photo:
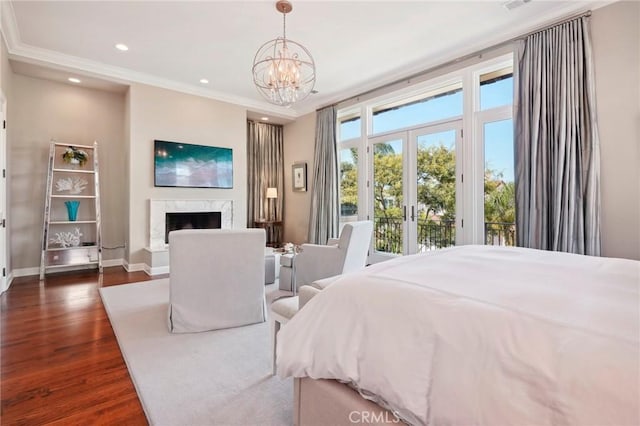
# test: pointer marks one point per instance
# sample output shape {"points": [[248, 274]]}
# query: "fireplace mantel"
{"points": [[159, 208]]}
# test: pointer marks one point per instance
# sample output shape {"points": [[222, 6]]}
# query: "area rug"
{"points": [[213, 378]]}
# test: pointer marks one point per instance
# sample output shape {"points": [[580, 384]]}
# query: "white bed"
{"points": [[480, 335]]}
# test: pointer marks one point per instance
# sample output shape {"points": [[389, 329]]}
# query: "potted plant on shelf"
{"points": [[75, 156]]}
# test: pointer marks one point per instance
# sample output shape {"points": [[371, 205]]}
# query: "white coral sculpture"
{"points": [[74, 185], [67, 239]]}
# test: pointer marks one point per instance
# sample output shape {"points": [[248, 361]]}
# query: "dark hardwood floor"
{"points": [[60, 361]]}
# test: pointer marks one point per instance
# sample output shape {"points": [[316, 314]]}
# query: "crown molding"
{"points": [[425, 65], [31, 54], [26, 53], [8, 25], [38, 56]]}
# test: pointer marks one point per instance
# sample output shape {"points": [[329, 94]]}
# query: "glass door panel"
{"points": [[435, 206], [499, 186], [348, 185], [387, 192]]}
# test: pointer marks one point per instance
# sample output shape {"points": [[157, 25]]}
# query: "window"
{"points": [[496, 88], [428, 171], [438, 105], [499, 184], [349, 137], [348, 184], [349, 128]]}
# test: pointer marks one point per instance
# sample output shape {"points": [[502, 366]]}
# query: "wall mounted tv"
{"points": [[192, 166]]}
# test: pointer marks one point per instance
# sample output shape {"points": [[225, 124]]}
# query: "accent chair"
{"points": [[216, 279], [340, 256]]}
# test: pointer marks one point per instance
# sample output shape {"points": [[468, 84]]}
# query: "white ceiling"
{"points": [[357, 45]]}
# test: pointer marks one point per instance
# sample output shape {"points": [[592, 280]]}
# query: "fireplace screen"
{"points": [[191, 220]]}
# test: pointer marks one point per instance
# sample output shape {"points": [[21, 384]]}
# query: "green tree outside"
{"points": [[436, 196]]}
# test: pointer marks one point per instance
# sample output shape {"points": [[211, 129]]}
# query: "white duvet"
{"points": [[480, 335]]}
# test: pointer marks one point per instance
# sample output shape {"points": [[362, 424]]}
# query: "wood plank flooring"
{"points": [[60, 361]]}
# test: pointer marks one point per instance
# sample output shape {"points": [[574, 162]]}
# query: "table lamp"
{"points": [[271, 194]]}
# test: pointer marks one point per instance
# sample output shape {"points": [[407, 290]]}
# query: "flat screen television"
{"points": [[192, 166]]}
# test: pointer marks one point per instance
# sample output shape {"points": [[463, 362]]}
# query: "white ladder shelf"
{"points": [[68, 239]]}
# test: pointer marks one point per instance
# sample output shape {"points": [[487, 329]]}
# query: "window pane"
{"points": [[348, 185], [427, 109], [387, 196], [350, 129], [436, 188], [496, 89], [499, 186]]}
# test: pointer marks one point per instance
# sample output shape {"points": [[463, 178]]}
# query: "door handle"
{"points": [[413, 215], [404, 213]]}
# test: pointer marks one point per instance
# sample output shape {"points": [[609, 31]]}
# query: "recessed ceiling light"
{"points": [[264, 118], [204, 81], [122, 47], [74, 80]]}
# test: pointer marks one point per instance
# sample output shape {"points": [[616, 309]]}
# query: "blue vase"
{"points": [[72, 209]]}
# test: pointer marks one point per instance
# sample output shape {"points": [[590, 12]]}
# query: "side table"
{"points": [[273, 229]]}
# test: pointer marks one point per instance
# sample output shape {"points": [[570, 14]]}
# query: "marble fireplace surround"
{"points": [[159, 208]]}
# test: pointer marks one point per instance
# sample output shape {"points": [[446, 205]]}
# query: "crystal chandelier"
{"points": [[283, 70]]}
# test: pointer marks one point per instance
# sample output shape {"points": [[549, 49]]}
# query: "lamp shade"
{"points": [[272, 192]]}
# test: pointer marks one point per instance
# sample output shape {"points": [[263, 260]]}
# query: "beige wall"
{"points": [[298, 147], [172, 116], [127, 173], [41, 110], [616, 48]]}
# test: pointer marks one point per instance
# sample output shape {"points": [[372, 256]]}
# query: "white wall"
{"points": [[616, 49], [167, 115], [298, 147], [42, 110]]}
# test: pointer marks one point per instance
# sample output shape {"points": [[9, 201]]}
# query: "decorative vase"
{"points": [[72, 209]]}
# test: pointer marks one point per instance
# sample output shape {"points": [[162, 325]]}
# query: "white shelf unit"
{"points": [[67, 182]]}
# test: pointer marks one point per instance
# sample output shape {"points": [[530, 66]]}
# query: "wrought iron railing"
{"points": [[388, 234], [500, 233], [435, 234]]}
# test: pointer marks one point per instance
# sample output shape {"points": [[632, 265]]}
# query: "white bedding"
{"points": [[480, 335]]}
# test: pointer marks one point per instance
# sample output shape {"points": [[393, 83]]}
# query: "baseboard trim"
{"points": [[112, 262], [27, 272], [134, 267], [158, 270]]}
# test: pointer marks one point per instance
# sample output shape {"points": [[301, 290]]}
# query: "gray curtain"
{"points": [[557, 154], [324, 220], [265, 165]]}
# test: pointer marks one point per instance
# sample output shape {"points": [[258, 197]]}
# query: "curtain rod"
{"points": [[462, 58]]}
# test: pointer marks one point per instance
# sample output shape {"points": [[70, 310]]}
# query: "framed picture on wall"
{"points": [[299, 174]]}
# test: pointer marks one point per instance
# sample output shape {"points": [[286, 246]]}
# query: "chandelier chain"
{"points": [[284, 25]]}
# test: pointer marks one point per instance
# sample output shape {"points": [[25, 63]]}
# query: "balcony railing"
{"points": [[435, 234], [500, 233]]}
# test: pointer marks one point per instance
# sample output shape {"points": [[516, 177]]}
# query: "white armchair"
{"points": [[216, 279], [345, 254]]}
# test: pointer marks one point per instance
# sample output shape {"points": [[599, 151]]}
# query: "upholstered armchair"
{"points": [[216, 279], [345, 254]]}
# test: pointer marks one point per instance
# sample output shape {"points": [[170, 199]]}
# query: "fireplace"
{"points": [[191, 220], [158, 210]]}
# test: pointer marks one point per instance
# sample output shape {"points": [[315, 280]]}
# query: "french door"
{"points": [[415, 191]]}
